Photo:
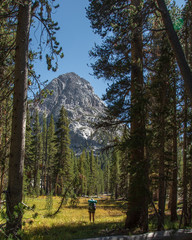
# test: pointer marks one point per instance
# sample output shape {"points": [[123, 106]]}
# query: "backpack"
{"points": [[92, 206]]}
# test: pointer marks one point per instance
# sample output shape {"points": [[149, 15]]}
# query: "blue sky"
{"points": [[76, 38]]}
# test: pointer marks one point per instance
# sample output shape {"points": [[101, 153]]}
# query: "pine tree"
{"points": [[7, 32], [83, 179], [37, 153], [187, 183], [5, 135], [51, 152], [185, 180], [28, 176], [93, 175], [44, 155], [88, 173], [100, 175], [63, 167], [19, 16], [176, 46], [77, 176], [174, 183], [120, 60], [7, 41], [124, 166], [16, 162], [161, 115], [100, 181], [114, 175], [106, 175]]}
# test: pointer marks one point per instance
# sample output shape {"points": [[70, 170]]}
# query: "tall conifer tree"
{"points": [[51, 152], [44, 154], [28, 184], [83, 179], [106, 175], [37, 152], [114, 174], [19, 14], [120, 60], [63, 168], [93, 174]]}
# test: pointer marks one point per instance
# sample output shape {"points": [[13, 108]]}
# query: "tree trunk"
{"points": [[190, 63], [174, 157], [17, 150], [162, 188], [185, 164], [176, 46], [185, 180], [137, 214], [190, 197]]}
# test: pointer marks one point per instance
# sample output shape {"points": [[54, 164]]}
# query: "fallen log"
{"points": [[181, 234]]}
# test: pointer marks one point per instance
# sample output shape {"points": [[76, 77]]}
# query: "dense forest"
{"points": [[146, 58], [51, 166]]}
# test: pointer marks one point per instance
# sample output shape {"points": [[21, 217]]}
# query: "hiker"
{"points": [[92, 208]]}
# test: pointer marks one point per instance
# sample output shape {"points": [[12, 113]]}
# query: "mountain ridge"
{"points": [[82, 105]]}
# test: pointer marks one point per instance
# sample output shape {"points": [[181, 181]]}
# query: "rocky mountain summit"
{"points": [[82, 104]]}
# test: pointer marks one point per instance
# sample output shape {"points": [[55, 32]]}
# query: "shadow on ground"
{"points": [[73, 231]]}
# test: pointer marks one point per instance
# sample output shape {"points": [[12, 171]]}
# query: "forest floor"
{"points": [[72, 222]]}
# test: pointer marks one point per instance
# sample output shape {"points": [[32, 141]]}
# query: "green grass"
{"points": [[71, 223]]}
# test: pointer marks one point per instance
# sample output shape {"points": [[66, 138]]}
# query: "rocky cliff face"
{"points": [[82, 105]]}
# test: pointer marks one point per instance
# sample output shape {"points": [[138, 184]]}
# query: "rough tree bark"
{"points": [[137, 214], [17, 151]]}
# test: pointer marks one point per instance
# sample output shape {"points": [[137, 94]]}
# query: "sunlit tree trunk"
{"points": [[16, 162]]}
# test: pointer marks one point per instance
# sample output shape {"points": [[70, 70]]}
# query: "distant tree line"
{"points": [[51, 166]]}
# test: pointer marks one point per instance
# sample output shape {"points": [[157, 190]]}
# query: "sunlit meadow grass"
{"points": [[71, 223]]}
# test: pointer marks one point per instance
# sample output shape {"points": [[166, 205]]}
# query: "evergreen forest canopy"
{"points": [[51, 166], [152, 160]]}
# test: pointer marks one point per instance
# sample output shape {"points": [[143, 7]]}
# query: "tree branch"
{"points": [[176, 46]]}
